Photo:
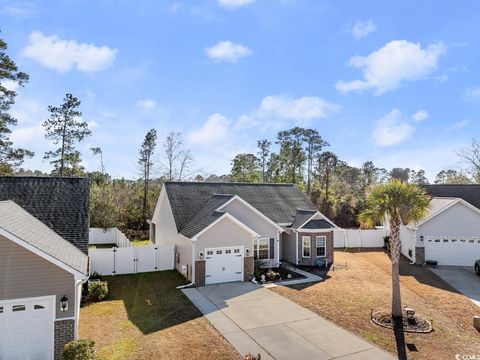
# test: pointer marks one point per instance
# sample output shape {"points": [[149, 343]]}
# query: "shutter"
{"points": [[272, 248]]}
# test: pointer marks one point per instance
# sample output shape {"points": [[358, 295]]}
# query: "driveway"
{"points": [[257, 320], [462, 279]]}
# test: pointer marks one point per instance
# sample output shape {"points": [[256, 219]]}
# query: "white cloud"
{"points": [[148, 104], [213, 131], [25, 10], [10, 85], [92, 125], [363, 28], [232, 4], [228, 51], [473, 93], [459, 125], [64, 55], [420, 115], [392, 129], [395, 63], [277, 111]]}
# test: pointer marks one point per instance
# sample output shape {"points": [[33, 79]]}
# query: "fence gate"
{"points": [[131, 260]]}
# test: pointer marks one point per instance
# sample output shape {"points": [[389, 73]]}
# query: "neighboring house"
{"points": [[43, 264], [220, 228], [450, 233]]}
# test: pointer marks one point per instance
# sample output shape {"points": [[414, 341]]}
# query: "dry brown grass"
{"points": [[347, 296], [145, 317]]}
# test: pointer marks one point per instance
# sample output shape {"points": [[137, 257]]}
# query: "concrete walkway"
{"points": [[462, 279], [256, 320]]}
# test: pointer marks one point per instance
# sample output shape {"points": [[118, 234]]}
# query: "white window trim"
{"points": [[257, 251], [303, 247], [324, 246]]}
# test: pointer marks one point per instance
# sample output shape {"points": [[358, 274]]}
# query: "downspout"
{"points": [[278, 247], [296, 247], [78, 299], [193, 260]]}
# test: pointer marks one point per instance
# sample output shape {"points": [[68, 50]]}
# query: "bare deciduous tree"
{"points": [[177, 158]]}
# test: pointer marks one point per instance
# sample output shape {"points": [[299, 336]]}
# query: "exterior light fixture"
{"points": [[64, 303]]}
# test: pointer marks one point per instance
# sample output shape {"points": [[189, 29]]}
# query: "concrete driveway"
{"points": [[257, 320], [462, 279]]}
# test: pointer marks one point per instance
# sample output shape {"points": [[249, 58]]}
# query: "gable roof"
{"points": [[193, 203], [468, 192], [318, 224], [59, 203], [17, 222], [302, 217]]}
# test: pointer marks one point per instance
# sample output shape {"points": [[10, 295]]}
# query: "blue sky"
{"points": [[395, 83]]}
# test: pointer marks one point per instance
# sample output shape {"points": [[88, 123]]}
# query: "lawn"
{"points": [[347, 296], [145, 317]]}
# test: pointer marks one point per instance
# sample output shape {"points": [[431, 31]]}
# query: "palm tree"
{"points": [[399, 203]]}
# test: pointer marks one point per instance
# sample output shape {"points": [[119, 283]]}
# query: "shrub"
{"points": [[272, 275], [83, 349], [98, 290], [95, 276]]}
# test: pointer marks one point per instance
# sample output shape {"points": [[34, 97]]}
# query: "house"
{"points": [[219, 229], [450, 233], [43, 264]]}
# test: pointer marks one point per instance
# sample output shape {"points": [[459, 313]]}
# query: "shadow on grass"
{"points": [[399, 338], [151, 299]]}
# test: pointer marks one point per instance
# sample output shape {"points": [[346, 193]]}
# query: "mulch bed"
{"points": [[283, 275], [415, 324]]}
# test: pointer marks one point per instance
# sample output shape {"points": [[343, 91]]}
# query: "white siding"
{"points": [[222, 234], [407, 238], [458, 220], [289, 247], [254, 221], [165, 228]]}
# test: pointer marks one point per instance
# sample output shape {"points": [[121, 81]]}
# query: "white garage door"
{"points": [[26, 329], [452, 251], [223, 264]]}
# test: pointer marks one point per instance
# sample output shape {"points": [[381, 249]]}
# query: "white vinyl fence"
{"points": [[100, 236], [357, 238], [131, 260]]}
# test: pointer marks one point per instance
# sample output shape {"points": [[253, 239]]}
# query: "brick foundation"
{"points": [[248, 265], [64, 333], [200, 273]]}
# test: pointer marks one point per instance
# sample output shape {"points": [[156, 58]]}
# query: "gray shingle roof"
{"points": [[302, 217], [318, 224], [193, 202], [470, 193], [18, 222], [60, 203], [205, 216]]}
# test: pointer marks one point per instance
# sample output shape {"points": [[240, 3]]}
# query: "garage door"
{"points": [[452, 251], [26, 329], [223, 264]]}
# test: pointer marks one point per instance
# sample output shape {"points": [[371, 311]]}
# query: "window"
{"points": [[38, 307], [236, 251], [306, 246], [445, 240], [320, 244], [228, 251], [261, 249], [437, 240], [18, 308], [219, 252], [209, 252], [1, 309]]}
